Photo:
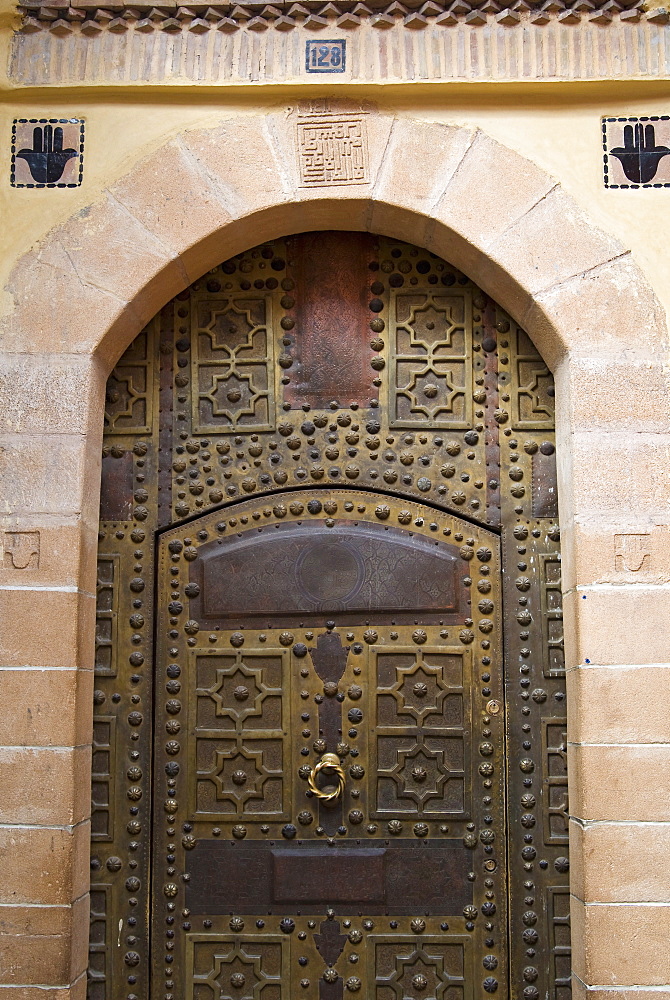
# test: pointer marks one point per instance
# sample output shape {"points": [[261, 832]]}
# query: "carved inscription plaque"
{"points": [[332, 150]]}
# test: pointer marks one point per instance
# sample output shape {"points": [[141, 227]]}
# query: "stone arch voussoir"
{"points": [[95, 280]]}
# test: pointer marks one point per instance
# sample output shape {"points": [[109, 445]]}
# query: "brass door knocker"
{"points": [[330, 762]]}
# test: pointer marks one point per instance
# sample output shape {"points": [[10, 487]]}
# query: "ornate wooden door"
{"points": [[329, 625], [329, 571]]}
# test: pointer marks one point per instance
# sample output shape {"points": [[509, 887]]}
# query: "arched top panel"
{"points": [[323, 552], [334, 358]]}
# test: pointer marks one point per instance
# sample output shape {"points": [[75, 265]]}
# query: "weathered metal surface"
{"points": [[330, 582], [325, 319], [233, 594]]}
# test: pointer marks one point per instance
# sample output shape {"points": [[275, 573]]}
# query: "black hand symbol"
{"points": [[47, 158], [639, 155]]}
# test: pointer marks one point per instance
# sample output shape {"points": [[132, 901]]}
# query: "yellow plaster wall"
{"points": [[556, 126]]}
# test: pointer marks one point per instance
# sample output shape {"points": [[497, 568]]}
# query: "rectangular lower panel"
{"points": [[405, 877]]}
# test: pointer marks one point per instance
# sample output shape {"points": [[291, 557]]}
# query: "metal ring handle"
{"points": [[329, 762]]}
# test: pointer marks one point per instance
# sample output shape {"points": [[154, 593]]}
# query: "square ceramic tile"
{"points": [[636, 151], [327, 55], [47, 152]]}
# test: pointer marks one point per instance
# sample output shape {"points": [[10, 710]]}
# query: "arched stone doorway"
{"points": [[340, 454]]}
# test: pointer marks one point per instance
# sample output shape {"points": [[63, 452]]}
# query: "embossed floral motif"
{"points": [[486, 626], [382, 512], [286, 926], [404, 517], [188, 842], [490, 984], [370, 636], [466, 636], [421, 829], [469, 912], [355, 936], [353, 984], [420, 689], [241, 692], [419, 981], [286, 638], [356, 816], [419, 636], [239, 777], [239, 832], [330, 976], [419, 773], [394, 826], [237, 639], [490, 962], [236, 924], [237, 980], [170, 889], [305, 818], [418, 925]]}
